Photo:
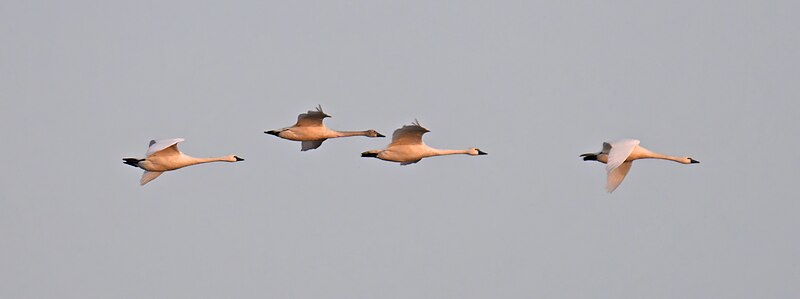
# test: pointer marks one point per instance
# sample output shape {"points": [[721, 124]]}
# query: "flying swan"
{"points": [[407, 147], [163, 155], [310, 130], [619, 155]]}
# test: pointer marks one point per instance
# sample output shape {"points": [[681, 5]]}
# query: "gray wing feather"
{"points": [[309, 145]]}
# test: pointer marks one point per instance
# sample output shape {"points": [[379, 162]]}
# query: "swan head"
{"points": [[233, 158], [373, 133], [692, 161], [476, 151], [370, 154]]}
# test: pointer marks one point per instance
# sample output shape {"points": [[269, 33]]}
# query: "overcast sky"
{"points": [[86, 83]]}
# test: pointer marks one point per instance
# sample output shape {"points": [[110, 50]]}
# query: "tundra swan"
{"points": [[407, 147], [310, 130], [619, 156], [163, 155]]}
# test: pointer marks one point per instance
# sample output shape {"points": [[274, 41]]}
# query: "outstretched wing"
{"points": [[164, 146], [619, 152], [311, 144], [148, 176], [616, 176], [312, 118], [409, 134]]}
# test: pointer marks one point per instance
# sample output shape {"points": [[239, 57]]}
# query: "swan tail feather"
{"points": [[132, 161]]}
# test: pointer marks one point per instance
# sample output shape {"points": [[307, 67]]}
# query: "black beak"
{"points": [[380, 135], [238, 159], [272, 132], [693, 161], [368, 154], [480, 152]]}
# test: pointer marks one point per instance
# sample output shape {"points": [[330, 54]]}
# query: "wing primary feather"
{"points": [[310, 144], [148, 176], [619, 152], [616, 176]]}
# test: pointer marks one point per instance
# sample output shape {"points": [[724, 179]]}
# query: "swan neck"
{"points": [[194, 160], [350, 133], [442, 152], [666, 157]]}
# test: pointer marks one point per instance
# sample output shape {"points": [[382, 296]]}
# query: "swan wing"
{"points": [[409, 134], [619, 152], [312, 118], [606, 148], [311, 144], [616, 176], [409, 162], [165, 146], [148, 176]]}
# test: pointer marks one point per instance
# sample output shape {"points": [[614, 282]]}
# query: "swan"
{"points": [[310, 130], [407, 147], [163, 155], [619, 156]]}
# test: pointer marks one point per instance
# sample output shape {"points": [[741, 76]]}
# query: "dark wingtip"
{"points": [[238, 158], [693, 161]]}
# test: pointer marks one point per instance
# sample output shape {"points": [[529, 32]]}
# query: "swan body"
{"points": [[163, 155], [619, 156], [407, 147], [310, 130]]}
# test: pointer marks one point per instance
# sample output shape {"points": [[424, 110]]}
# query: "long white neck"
{"points": [[194, 161], [350, 133], [442, 152], [682, 160]]}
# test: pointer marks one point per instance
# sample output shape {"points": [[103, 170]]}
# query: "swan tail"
{"points": [[132, 161], [369, 154]]}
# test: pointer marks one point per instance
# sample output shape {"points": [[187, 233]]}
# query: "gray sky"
{"points": [[534, 84]]}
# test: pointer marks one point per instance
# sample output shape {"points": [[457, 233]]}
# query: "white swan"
{"points": [[407, 147], [619, 155], [163, 155], [312, 132]]}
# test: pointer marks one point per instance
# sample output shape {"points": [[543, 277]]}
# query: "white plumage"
{"points": [[619, 156], [163, 155], [310, 130], [407, 147]]}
